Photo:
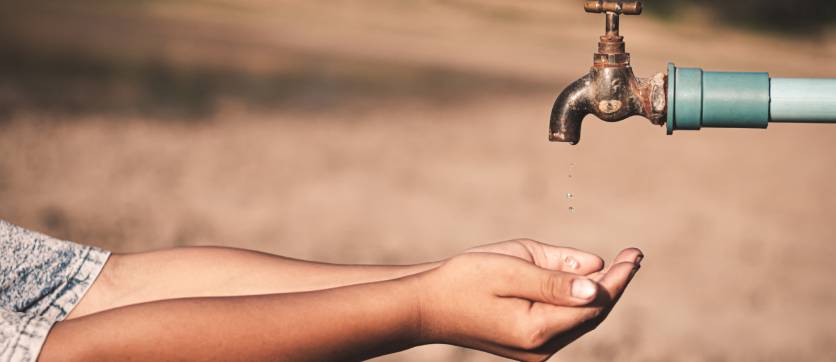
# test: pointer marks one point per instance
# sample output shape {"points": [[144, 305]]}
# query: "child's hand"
{"points": [[510, 306], [546, 256]]}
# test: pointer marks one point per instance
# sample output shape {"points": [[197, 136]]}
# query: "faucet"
{"points": [[683, 98], [610, 90]]}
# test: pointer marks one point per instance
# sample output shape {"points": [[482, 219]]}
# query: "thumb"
{"points": [[536, 284]]}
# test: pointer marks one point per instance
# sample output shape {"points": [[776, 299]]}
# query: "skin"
{"points": [[513, 299], [220, 272]]}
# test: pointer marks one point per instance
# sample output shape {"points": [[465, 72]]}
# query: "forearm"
{"points": [[210, 271], [347, 323]]}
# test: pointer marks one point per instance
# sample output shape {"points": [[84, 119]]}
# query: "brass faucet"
{"points": [[610, 91]]}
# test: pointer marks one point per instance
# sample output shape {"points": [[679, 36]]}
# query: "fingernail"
{"points": [[570, 262], [639, 259], [583, 288]]}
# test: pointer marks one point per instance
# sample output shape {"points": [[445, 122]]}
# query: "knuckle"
{"points": [[529, 343], [552, 287], [531, 336]]}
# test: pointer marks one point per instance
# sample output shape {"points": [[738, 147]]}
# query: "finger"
{"points": [[633, 255], [613, 284], [558, 320], [617, 278], [536, 284], [575, 261], [563, 258], [563, 325]]}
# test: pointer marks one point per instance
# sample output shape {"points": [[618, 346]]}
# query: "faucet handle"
{"points": [[611, 48], [613, 8], [617, 7]]}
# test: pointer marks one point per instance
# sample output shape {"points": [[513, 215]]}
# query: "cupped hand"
{"points": [[545, 256], [522, 300]]}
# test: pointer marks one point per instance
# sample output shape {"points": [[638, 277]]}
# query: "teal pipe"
{"points": [[699, 99], [803, 100]]}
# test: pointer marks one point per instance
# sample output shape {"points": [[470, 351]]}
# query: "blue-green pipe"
{"points": [[699, 99], [802, 100]]}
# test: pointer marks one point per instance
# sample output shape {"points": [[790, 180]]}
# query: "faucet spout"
{"points": [[569, 110], [611, 93]]}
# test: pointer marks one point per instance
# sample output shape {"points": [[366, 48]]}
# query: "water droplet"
{"points": [[570, 195], [572, 209]]}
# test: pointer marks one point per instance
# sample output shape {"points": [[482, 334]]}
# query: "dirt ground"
{"points": [[399, 132]]}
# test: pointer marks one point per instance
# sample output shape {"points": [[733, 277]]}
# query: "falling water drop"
{"points": [[570, 196]]}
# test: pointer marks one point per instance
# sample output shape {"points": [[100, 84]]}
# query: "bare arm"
{"points": [[338, 324], [497, 303], [215, 271]]}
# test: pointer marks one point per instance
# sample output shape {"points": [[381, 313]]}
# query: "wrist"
{"points": [[399, 301], [423, 287]]}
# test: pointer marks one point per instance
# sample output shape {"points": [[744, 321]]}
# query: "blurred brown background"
{"points": [[405, 131]]}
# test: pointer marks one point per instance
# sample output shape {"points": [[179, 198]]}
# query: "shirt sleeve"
{"points": [[22, 336], [43, 275], [41, 280]]}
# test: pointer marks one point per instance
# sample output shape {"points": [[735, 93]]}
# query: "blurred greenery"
{"points": [[787, 16]]}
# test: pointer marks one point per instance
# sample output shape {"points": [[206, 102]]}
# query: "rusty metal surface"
{"points": [[610, 90], [611, 94], [618, 7]]}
